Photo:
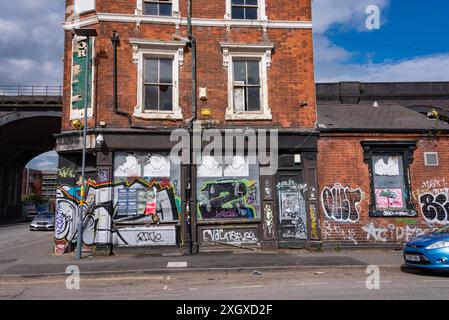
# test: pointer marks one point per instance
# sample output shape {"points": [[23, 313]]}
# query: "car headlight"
{"points": [[439, 245]]}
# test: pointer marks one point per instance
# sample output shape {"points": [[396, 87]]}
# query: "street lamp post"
{"points": [[88, 33]]}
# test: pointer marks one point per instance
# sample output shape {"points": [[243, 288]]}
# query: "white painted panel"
{"points": [[84, 5], [145, 236]]}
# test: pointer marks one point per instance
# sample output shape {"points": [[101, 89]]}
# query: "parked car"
{"points": [[31, 216], [429, 251], [44, 221]]}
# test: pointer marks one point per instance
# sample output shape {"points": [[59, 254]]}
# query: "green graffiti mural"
{"points": [[228, 198]]}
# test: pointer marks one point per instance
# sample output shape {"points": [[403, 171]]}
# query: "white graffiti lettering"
{"points": [[334, 231], [231, 236]]}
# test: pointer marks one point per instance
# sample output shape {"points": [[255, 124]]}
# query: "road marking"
{"points": [[364, 282], [312, 284], [177, 265], [246, 287]]}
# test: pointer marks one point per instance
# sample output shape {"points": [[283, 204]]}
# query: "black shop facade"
{"points": [[138, 196]]}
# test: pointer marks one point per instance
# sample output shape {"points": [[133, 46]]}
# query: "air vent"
{"points": [[431, 158]]}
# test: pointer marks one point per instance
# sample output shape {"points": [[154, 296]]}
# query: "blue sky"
{"points": [[411, 44]]}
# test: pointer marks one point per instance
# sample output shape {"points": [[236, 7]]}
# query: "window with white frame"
{"points": [[158, 7], [158, 64], [246, 84], [167, 8], [158, 82], [247, 66], [245, 9]]}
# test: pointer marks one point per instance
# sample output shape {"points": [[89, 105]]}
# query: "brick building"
{"points": [[254, 69], [384, 170]]}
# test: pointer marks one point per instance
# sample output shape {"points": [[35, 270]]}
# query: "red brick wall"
{"points": [[340, 160], [290, 78]]}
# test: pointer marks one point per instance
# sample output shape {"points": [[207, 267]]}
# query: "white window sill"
{"points": [[158, 115], [249, 116]]}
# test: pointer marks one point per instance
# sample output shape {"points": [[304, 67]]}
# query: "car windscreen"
{"points": [[443, 230], [46, 216]]}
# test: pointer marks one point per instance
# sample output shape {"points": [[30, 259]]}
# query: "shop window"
{"points": [[390, 179], [228, 191], [146, 188]]}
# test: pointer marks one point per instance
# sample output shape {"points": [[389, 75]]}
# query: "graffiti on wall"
{"points": [[341, 204], [230, 236], [433, 199], [227, 198], [392, 232], [314, 222], [69, 209], [145, 236], [130, 198], [333, 231], [435, 208], [292, 209], [269, 220], [139, 200]]}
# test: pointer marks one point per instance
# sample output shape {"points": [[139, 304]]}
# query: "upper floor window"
{"points": [[158, 84], [247, 80], [161, 8], [246, 85], [158, 7], [244, 9], [158, 66]]}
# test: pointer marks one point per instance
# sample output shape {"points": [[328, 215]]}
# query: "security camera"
{"points": [[77, 124]]}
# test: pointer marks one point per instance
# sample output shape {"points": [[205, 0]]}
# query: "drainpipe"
{"points": [[192, 44], [115, 40]]}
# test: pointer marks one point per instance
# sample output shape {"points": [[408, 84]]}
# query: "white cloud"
{"points": [[343, 13], [334, 63], [46, 161], [31, 42]]}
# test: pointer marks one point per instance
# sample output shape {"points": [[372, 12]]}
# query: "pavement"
{"points": [[29, 254]]}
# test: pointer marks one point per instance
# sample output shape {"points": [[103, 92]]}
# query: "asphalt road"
{"points": [[340, 284], [20, 246]]}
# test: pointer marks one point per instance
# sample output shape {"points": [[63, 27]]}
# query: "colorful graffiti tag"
{"points": [[98, 220], [227, 198], [137, 200], [68, 211]]}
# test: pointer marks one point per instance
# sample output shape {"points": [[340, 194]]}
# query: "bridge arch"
{"points": [[26, 131]]}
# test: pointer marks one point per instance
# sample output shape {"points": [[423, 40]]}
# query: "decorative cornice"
{"points": [[139, 44], [198, 22]]}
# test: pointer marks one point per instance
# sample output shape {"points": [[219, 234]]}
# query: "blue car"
{"points": [[429, 252]]}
